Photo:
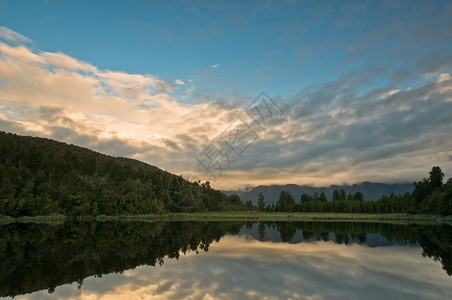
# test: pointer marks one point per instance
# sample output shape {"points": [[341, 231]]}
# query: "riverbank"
{"points": [[245, 216]]}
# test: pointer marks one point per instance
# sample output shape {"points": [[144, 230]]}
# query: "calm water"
{"points": [[225, 260]]}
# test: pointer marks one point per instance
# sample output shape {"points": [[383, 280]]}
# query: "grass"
{"points": [[51, 219], [280, 216], [245, 216], [4, 220]]}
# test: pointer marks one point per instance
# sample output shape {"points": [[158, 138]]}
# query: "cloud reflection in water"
{"points": [[242, 268]]}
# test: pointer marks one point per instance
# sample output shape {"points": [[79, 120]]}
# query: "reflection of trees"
{"points": [[261, 231], [286, 230], [437, 244], [436, 241], [35, 257]]}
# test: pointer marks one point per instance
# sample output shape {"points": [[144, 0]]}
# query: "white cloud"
{"points": [[389, 93], [443, 77], [65, 61], [215, 66], [96, 107], [12, 36], [333, 135]]}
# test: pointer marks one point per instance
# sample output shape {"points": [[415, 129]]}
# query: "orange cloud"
{"points": [[320, 140]]}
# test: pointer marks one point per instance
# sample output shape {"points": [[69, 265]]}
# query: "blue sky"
{"points": [[259, 45], [203, 62]]}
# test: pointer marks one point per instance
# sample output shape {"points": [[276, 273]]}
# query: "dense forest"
{"points": [[42, 177], [430, 196], [41, 256]]}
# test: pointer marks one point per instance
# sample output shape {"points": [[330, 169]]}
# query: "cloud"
{"points": [[12, 36], [350, 129], [334, 134], [443, 77], [57, 96], [214, 66], [65, 61]]}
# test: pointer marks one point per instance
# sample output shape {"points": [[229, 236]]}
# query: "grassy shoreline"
{"points": [[244, 216]]}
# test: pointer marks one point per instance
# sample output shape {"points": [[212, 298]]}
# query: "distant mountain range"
{"points": [[370, 190]]}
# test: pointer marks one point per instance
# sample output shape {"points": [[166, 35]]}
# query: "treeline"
{"points": [[430, 196], [42, 177]]}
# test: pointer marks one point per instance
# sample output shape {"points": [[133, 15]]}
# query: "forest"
{"points": [[430, 196], [40, 176]]}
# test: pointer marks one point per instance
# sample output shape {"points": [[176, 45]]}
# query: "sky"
{"points": [[240, 93]]}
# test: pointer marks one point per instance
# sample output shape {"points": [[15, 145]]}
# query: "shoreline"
{"points": [[242, 216]]}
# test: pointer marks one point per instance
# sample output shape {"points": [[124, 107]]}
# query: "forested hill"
{"points": [[40, 176]]}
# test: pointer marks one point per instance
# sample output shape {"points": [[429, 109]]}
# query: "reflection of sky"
{"points": [[238, 268]]}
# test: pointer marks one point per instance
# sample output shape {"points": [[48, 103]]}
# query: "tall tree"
{"points": [[261, 201], [358, 197], [315, 197], [421, 191], [286, 202], [322, 197], [436, 177], [342, 195], [305, 198], [335, 195], [249, 205]]}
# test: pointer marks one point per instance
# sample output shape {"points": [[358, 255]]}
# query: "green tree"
{"points": [[336, 195], [358, 197], [322, 197], [421, 191], [261, 201], [305, 198], [286, 202], [81, 206], [315, 197], [249, 205], [235, 199], [445, 203], [436, 178], [342, 195]]}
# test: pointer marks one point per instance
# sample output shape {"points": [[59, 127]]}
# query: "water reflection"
{"points": [[275, 260]]}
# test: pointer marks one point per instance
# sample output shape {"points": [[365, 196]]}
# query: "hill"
{"points": [[40, 176], [370, 190]]}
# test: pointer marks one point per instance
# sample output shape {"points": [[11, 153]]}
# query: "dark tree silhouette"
{"points": [[261, 202]]}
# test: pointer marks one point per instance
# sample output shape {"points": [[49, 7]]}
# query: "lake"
{"points": [[225, 260]]}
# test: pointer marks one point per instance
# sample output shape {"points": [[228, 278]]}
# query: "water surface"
{"points": [[225, 260]]}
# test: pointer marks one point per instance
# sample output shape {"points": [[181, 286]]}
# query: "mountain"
{"points": [[370, 190]]}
